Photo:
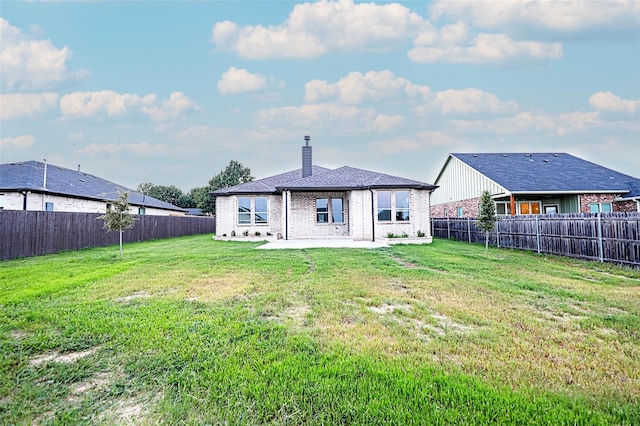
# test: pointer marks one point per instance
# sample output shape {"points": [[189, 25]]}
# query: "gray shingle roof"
{"points": [[322, 179], [266, 185], [549, 172], [29, 176]]}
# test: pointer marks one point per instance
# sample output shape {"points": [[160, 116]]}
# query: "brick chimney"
{"points": [[307, 163]]}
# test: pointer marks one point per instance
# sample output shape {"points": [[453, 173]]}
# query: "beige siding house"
{"points": [[537, 183], [318, 203]]}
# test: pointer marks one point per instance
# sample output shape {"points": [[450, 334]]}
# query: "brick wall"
{"points": [[470, 208], [302, 216], [587, 199]]}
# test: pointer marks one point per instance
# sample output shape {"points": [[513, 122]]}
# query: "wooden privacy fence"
{"points": [[607, 237], [32, 233]]}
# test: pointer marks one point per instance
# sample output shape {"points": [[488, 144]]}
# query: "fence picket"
{"points": [[608, 237], [32, 233]]}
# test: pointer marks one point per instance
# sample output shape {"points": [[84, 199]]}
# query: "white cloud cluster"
{"points": [[239, 80], [527, 122], [20, 105], [88, 104], [607, 101], [318, 116], [314, 29], [514, 33], [30, 64], [139, 149], [171, 108], [482, 48], [543, 18], [383, 86], [23, 141], [357, 88], [466, 101]]}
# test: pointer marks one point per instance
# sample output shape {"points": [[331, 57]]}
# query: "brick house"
{"points": [[315, 202], [538, 183], [38, 186]]}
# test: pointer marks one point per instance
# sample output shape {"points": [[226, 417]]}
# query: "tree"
{"points": [[234, 174], [119, 217], [201, 199], [487, 218]]}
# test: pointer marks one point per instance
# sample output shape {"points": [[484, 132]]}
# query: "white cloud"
{"points": [[357, 88], [239, 80], [607, 101], [314, 29], [29, 64], [318, 116], [383, 123], [88, 104], [176, 105], [139, 149], [526, 122], [548, 17], [19, 105], [23, 141], [485, 48], [467, 101]]}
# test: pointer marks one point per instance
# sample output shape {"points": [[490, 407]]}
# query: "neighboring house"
{"points": [[537, 183], [34, 185], [315, 202], [194, 212]]}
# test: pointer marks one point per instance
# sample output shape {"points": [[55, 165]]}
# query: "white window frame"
{"points": [[599, 207], [252, 213], [529, 202], [330, 212], [393, 209]]}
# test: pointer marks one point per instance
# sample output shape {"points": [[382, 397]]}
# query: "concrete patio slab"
{"points": [[303, 244]]}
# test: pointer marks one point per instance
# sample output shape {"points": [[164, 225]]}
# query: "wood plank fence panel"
{"points": [[33, 233], [608, 237]]}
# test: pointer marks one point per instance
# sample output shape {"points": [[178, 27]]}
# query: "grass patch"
{"points": [[194, 331]]}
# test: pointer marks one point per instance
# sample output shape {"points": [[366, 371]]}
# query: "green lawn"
{"points": [[196, 331]]}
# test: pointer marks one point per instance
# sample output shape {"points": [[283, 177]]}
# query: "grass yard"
{"points": [[196, 331]]}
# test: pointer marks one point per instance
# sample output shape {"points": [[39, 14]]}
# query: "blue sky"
{"points": [[170, 92]]}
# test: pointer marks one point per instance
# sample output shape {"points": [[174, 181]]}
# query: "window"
{"points": [[48, 206], [527, 207], [329, 208], [337, 213], [260, 214], [551, 209], [253, 210], [600, 208], [244, 210], [384, 206], [322, 210], [503, 208], [108, 207], [402, 206], [393, 205], [460, 212], [142, 211]]}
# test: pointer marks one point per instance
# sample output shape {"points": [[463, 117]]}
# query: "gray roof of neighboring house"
{"points": [[322, 179], [549, 172], [29, 176]]}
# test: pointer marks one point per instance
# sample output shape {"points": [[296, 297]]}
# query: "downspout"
{"points": [[373, 218], [286, 215], [24, 199]]}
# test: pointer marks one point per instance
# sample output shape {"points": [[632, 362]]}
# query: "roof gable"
{"points": [[29, 176], [547, 172]]}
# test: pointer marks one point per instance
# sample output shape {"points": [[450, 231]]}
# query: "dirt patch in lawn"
{"points": [[62, 358], [132, 410], [136, 295]]}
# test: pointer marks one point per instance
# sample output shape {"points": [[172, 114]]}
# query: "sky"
{"points": [[169, 92]]}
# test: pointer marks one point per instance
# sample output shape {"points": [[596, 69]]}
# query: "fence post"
{"points": [[448, 229], [498, 233], [469, 228], [601, 250], [538, 232]]}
